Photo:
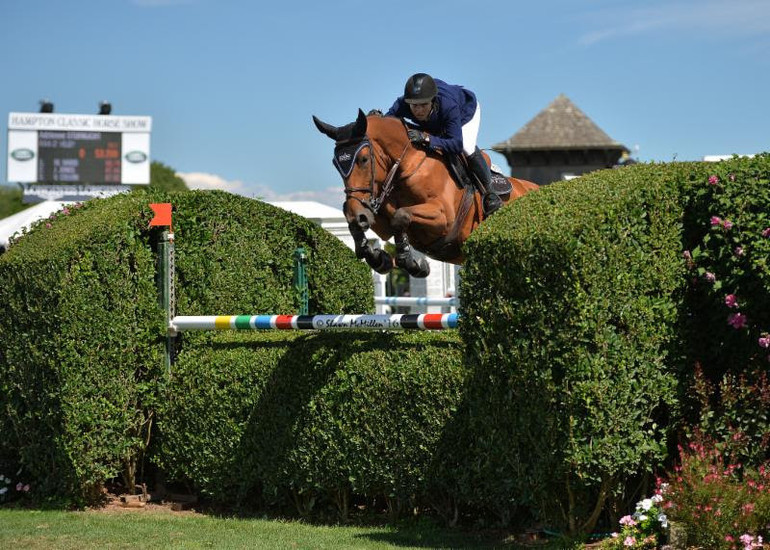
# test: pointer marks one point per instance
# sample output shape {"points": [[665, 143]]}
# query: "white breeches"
{"points": [[471, 131]]}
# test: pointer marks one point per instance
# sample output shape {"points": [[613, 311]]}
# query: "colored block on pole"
{"points": [[162, 214]]}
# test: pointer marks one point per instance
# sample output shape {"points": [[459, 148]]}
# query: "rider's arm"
{"points": [[451, 138]]}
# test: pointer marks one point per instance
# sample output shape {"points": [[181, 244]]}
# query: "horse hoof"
{"points": [[381, 262], [422, 271], [416, 269]]}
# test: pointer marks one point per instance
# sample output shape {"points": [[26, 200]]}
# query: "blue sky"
{"points": [[231, 85]]}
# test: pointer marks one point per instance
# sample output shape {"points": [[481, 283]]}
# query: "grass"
{"points": [[33, 529]]}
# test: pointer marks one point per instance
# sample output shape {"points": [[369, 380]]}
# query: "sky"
{"points": [[231, 85]]}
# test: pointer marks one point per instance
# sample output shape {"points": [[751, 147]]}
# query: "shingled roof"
{"points": [[561, 125]]}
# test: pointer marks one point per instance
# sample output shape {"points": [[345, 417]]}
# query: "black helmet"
{"points": [[420, 88]]}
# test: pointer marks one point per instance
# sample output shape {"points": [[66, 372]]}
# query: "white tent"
{"points": [[25, 218]]}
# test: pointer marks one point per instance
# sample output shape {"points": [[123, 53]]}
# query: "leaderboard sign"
{"points": [[78, 149]]}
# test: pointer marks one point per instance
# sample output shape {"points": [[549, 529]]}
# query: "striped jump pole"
{"points": [[415, 301], [424, 321]]}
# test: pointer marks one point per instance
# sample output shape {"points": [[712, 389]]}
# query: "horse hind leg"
{"points": [[405, 259]]}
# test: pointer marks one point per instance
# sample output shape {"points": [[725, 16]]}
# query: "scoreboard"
{"points": [[77, 157], [78, 149]]}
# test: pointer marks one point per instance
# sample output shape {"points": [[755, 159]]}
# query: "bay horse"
{"points": [[404, 192]]}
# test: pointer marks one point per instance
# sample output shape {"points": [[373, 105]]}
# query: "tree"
{"points": [[10, 201], [164, 178]]}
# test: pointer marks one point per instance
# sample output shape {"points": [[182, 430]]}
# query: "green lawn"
{"points": [[133, 529]]}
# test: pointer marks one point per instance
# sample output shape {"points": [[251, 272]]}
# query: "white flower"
{"points": [[3, 490], [663, 520], [642, 517], [646, 504], [657, 499]]}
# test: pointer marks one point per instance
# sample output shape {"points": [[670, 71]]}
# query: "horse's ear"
{"points": [[359, 130], [326, 129]]}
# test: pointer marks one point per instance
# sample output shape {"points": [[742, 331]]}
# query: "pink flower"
{"points": [[731, 301], [766, 232], [713, 180], [729, 538], [627, 521], [48, 226], [629, 541], [19, 486], [737, 320], [764, 341], [687, 255], [748, 508], [716, 220], [727, 224], [732, 177], [738, 251], [710, 277], [25, 488]]}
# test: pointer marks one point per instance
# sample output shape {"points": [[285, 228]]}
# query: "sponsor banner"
{"points": [[84, 123]]}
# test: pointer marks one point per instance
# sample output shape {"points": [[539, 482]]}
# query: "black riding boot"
{"points": [[490, 201]]}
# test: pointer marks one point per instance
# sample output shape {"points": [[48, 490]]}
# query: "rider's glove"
{"points": [[418, 138]]}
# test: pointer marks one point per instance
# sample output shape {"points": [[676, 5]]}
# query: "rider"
{"points": [[449, 116]]}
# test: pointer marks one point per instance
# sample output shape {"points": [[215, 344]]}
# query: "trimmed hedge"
{"points": [[82, 335], [310, 419], [579, 329]]}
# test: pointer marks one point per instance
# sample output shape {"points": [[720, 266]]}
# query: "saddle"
{"points": [[462, 175]]}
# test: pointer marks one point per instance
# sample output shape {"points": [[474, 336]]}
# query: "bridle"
{"points": [[374, 203]]}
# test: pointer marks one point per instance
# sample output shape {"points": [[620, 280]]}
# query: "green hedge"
{"points": [[579, 327], [82, 335], [310, 418]]}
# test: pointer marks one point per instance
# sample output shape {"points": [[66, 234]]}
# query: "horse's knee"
{"points": [[400, 221]]}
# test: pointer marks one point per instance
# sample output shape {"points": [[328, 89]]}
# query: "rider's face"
{"points": [[421, 110]]}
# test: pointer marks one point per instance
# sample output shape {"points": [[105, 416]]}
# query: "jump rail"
{"points": [[179, 323], [415, 301], [424, 321]]}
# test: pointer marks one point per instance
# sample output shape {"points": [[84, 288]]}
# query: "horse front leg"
{"points": [[404, 257], [379, 260]]}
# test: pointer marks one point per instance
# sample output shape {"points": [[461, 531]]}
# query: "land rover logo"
{"points": [[136, 157], [22, 154]]}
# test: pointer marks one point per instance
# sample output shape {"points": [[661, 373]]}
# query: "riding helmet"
{"points": [[420, 88]]}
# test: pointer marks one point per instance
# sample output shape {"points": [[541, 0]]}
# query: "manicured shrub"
{"points": [[571, 300], [82, 335], [310, 420], [584, 318]]}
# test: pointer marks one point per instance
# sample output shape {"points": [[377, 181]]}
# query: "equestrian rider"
{"points": [[449, 117]]}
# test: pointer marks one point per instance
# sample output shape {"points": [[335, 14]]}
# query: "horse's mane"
{"points": [[390, 126]]}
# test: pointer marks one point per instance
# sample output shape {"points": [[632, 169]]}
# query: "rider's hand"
{"points": [[418, 138]]}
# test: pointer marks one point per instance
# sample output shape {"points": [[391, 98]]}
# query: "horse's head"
{"points": [[354, 160]]}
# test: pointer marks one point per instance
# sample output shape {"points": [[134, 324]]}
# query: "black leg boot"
{"points": [[490, 202]]}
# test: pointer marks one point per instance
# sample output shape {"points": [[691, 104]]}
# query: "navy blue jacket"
{"points": [[454, 106]]}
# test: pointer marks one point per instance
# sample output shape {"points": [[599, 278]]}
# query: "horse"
{"points": [[402, 191]]}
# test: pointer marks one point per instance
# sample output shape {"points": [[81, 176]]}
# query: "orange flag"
{"points": [[162, 214]]}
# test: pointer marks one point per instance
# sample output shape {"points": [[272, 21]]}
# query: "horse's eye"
{"points": [[363, 159]]}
